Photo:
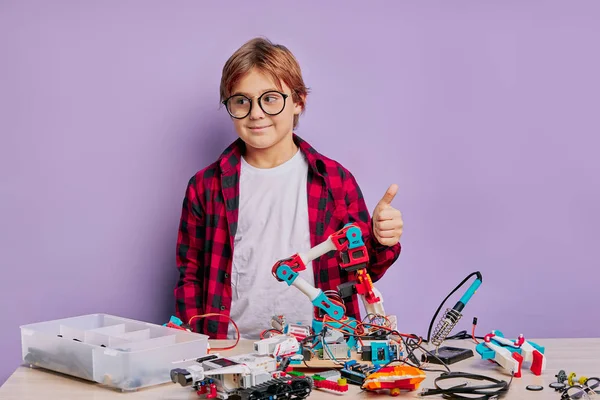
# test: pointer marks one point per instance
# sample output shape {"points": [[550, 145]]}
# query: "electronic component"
{"points": [[353, 377], [278, 322], [307, 354], [352, 256], [333, 334], [365, 353], [336, 351]]}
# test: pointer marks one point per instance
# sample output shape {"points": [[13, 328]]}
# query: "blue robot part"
{"points": [[174, 320], [287, 274], [354, 236], [333, 310]]}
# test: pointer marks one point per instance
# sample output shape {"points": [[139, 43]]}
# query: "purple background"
{"points": [[485, 113]]}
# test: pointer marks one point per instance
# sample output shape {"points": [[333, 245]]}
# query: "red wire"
{"points": [[356, 331], [473, 335], [237, 331], [406, 335]]}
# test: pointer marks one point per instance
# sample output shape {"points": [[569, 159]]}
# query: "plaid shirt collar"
{"points": [[229, 161]]}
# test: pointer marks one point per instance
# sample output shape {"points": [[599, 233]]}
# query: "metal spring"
{"points": [[445, 326]]}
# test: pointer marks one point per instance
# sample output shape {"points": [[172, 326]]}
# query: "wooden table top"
{"points": [[581, 356]]}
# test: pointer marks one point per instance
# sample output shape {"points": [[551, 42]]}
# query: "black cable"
{"points": [[494, 390], [324, 347], [478, 274], [462, 335], [411, 345]]}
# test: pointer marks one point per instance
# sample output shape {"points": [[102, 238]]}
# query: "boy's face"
{"points": [[260, 130]]}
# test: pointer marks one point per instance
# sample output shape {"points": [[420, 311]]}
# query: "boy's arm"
{"points": [[381, 257], [190, 242]]}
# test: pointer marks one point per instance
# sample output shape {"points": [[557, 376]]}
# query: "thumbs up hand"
{"points": [[387, 221]]}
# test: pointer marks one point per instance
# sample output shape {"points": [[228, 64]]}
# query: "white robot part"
{"points": [[505, 341], [310, 291], [317, 251], [197, 372], [504, 357]]}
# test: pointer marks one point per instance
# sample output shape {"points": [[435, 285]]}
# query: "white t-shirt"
{"points": [[272, 225]]}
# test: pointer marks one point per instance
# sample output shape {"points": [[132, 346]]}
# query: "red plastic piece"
{"points": [[172, 325], [330, 385], [202, 390], [356, 256], [519, 341], [537, 363], [340, 238], [487, 338], [212, 394], [364, 286], [395, 378], [294, 262], [519, 358]]}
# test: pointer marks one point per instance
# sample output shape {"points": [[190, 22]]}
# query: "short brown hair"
{"points": [[274, 60]]}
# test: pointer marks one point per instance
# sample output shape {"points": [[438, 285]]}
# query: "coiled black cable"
{"points": [[492, 391]]}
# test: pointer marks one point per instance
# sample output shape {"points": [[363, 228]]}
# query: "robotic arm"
{"points": [[353, 256]]}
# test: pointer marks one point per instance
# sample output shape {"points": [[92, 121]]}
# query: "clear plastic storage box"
{"points": [[117, 352]]}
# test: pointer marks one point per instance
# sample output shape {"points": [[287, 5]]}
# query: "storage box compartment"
{"points": [[114, 351]]}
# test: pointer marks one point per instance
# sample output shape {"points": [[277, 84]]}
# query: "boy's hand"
{"points": [[387, 221]]}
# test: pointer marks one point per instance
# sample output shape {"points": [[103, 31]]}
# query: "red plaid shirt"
{"points": [[209, 220]]}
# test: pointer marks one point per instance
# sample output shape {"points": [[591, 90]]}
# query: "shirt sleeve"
{"points": [[381, 257], [189, 257]]}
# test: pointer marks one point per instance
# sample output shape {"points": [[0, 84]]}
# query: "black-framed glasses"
{"points": [[240, 106], [592, 385], [582, 392]]}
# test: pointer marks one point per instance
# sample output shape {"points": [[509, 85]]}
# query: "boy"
{"points": [[268, 196]]}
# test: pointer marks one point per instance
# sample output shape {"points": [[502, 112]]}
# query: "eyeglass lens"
{"points": [[576, 392], [271, 103], [593, 384]]}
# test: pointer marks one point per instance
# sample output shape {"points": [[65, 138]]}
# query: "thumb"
{"points": [[389, 195]]}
